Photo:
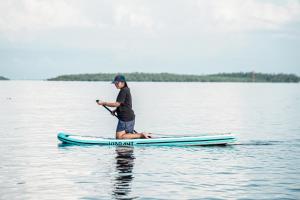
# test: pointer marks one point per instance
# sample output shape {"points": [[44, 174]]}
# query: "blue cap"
{"points": [[119, 78]]}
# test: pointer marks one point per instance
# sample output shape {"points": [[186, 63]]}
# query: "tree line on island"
{"points": [[2, 78], [169, 77]]}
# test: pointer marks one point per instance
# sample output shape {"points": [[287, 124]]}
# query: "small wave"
{"points": [[294, 189], [259, 142]]}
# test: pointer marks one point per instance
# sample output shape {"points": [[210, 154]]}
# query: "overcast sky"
{"points": [[44, 38]]}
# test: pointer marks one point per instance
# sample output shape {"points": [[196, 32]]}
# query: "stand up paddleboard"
{"points": [[205, 140]]}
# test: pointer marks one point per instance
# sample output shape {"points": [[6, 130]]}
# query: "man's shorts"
{"points": [[128, 127]]}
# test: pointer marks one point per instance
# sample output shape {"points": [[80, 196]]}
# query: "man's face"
{"points": [[118, 85]]}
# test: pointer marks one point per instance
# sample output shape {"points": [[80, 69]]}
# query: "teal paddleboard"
{"points": [[201, 140]]}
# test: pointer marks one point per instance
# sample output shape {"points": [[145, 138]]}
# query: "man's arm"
{"points": [[109, 104], [112, 104]]}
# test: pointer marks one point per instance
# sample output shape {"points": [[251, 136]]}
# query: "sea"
{"points": [[264, 162]]}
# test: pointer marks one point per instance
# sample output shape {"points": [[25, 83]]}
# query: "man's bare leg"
{"points": [[124, 135]]}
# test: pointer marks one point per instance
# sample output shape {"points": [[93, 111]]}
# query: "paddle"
{"points": [[114, 114], [111, 112]]}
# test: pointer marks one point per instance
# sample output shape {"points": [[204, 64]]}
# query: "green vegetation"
{"points": [[167, 77], [3, 78]]}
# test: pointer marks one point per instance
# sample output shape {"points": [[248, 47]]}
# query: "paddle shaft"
{"points": [[114, 114], [109, 110]]}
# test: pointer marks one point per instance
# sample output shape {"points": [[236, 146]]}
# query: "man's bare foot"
{"points": [[146, 135]]}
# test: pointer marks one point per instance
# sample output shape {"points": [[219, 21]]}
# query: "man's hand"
{"points": [[109, 104], [100, 103], [113, 112]]}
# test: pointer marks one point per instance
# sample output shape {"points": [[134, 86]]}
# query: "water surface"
{"points": [[263, 164]]}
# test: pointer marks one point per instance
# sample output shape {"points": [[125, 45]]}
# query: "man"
{"points": [[126, 116]]}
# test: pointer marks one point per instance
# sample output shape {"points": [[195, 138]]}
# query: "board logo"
{"points": [[121, 143]]}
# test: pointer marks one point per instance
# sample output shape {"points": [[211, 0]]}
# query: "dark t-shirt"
{"points": [[124, 111]]}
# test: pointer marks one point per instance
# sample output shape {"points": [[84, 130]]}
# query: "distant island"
{"points": [[169, 77], [3, 78]]}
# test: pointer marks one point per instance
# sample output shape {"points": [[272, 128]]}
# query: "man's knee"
{"points": [[119, 135]]}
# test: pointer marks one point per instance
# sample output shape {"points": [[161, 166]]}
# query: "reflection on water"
{"points": [[124, 176]]}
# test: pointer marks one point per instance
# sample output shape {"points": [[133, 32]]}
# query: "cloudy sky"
{"points": [[44, 38]]}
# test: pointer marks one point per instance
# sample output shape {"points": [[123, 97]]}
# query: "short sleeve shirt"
{"points": [[124, 111]]}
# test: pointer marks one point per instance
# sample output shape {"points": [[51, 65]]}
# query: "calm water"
{"points": [[263, 164]]}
